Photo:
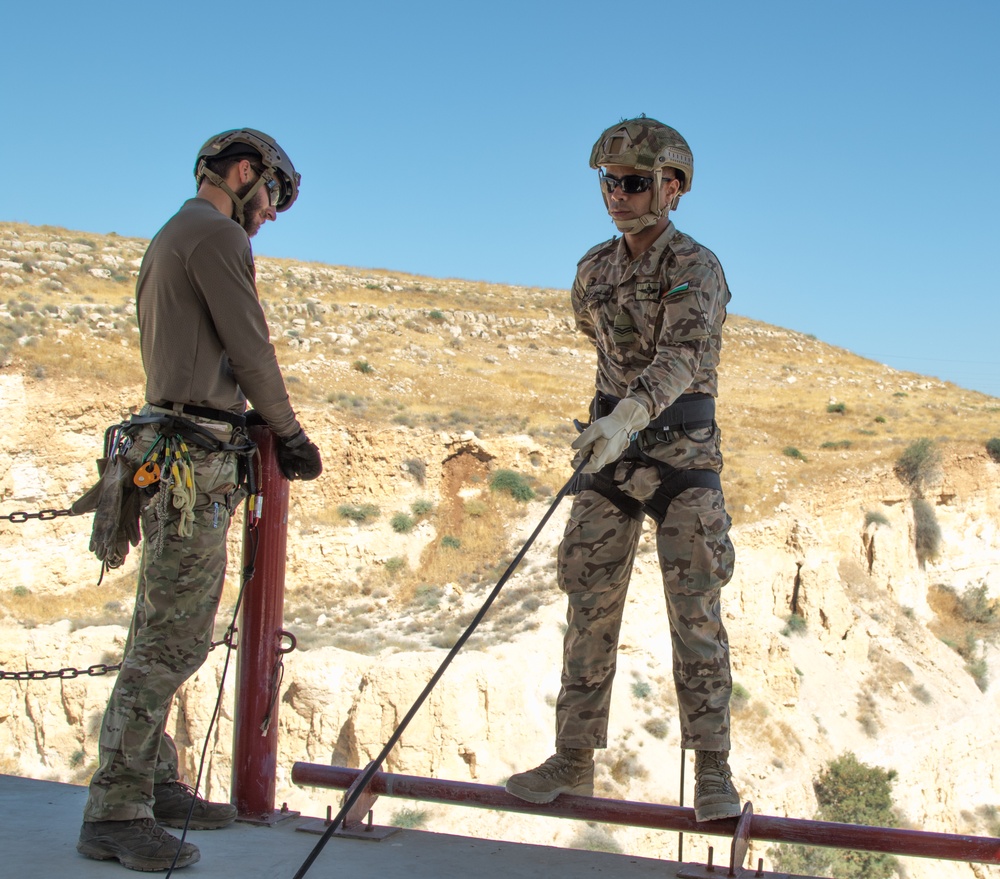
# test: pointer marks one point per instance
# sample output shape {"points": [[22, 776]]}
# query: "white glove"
{"points": [[608, 437]]}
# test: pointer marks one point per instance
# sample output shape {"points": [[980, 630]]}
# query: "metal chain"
{"points": [[18, 518], [93, 670], [38, 675]]}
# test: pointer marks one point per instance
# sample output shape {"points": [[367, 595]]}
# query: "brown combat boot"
{"points": [[568, 771], [173, 802], [138, 844], [714, 794]]}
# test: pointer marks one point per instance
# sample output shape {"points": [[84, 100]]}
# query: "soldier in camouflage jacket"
{"points": [[653, 303]]}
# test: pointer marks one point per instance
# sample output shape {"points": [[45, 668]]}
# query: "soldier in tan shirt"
{"points": [[206, 352]]}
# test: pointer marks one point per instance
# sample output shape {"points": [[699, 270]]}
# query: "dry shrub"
{"points": [[926, 531], [919, 463]]}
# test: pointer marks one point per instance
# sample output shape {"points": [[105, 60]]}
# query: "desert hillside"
{"points": [[862, 614]]}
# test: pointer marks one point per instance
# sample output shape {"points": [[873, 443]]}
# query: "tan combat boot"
{"points": [[714, 794], [568, 771], [138, 844], [173, 801]]}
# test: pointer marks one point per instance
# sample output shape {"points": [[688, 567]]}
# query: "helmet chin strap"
{"points": [[238, 203]]}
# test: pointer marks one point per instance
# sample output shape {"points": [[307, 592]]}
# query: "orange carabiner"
{"points": [[147, 474]]}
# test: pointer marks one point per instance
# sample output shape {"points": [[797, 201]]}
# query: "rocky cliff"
{"points": [[836, 623]]}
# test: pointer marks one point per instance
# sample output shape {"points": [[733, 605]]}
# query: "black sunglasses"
{"points": [[631, 184]]}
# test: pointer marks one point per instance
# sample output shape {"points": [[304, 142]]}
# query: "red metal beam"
{"points": [[255, 751], [826, 834]]}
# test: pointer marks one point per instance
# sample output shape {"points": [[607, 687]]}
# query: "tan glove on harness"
{"points": [[607, 438]]}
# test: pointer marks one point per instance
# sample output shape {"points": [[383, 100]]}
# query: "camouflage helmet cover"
{"points": [[645, 144], [249, 141]]}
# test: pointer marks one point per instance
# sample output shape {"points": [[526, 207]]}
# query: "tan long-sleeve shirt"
{"points": [[202, 330]]}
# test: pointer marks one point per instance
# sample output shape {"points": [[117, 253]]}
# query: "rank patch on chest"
{"points": [[623, 330]]}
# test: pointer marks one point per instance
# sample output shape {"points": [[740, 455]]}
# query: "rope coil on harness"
{"points": [[166, 470]]}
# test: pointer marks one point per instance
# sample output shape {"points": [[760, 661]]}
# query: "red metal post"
{"points": [[260, 633], [915, 843]]}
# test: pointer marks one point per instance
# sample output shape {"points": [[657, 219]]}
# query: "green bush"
{"points": [[363, 366], [595, 839], [876, 517], [358, 512], [513, 483], [991, 815], [657, 727], [975, 605], [792, 452], [641, 689], [740, 698], [428, 596], [409, 818], [837, 408], [794, 625], [402, 523], [837, 444], [449, 542], [979, 670], [476, 508], [926, 531], [919, 462], [993, 447], [422, 507], [848, 792], [435, 314], [394, 565], [417, 469]]}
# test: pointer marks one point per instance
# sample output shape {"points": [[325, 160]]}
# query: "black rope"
{"points": [[254, 540], [373, 767]]}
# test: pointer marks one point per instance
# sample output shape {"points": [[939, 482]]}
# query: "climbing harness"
{"points": [[166, 474], [690, 412], [358, 788]]}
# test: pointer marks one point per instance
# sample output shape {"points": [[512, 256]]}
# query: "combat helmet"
{"points": [[647, 145], [259, 147]]}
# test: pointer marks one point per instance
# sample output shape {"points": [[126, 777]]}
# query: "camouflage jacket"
{"points": [[657, 325], [656, 321]]}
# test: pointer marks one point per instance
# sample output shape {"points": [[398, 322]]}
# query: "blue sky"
{"points": [[846, 154]]}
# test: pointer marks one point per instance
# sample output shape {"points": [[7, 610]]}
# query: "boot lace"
{"points": [[713, 777], [557, 764]]}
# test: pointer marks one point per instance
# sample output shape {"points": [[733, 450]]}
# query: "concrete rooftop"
{"points": [[41, 821]]}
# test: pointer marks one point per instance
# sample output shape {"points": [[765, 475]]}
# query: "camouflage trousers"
{"points": [[171, 634], [595, 564]]}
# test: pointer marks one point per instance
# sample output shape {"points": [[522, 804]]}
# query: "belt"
{"points": [[204, 412], [688, 412]]}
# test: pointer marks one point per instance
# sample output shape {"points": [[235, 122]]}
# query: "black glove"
{"points": [[299, 458], [254, 418]]}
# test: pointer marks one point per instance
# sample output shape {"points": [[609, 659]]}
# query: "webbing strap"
{"points": [[195, 433], [603, 484], [688, 412], [675, 483], [203, 412], [672, 483]]}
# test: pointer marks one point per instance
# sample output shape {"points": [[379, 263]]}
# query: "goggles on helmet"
{"points": [[274, 191]]}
